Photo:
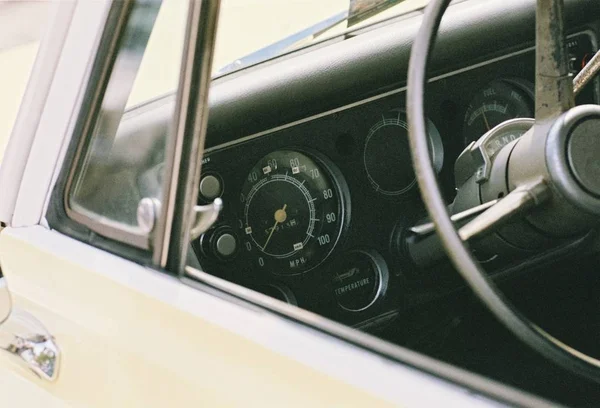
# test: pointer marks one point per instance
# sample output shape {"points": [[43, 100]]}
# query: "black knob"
{"points": [[210, 187], [220, 243]]}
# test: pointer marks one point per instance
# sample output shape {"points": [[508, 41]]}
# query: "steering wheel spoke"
{"points": [[488, 217], [519, 201], [554, 85], [586, 75]]}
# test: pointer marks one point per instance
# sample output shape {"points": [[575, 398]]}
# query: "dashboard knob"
{"points": [[220, 243], [225, 245], [210, 187]]}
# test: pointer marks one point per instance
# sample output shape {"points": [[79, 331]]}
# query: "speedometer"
{"points": [[293, 211]]}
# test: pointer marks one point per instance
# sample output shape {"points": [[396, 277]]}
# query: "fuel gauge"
{"points": [[499, 101]]}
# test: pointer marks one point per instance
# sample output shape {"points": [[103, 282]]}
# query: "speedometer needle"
{"points": [[280, 216]]}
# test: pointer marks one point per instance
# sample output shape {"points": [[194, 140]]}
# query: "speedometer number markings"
{"points": [[282, 210]]}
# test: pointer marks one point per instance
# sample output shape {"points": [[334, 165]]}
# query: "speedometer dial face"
{"points": [[293, 212]]}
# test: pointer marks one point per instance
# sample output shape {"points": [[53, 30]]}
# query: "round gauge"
{"points": [[293, 212], [387, 157], [500, 101]]}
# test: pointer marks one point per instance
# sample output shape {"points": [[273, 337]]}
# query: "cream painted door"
{"points": [[133, 337]]}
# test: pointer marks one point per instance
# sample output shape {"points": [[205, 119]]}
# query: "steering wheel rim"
{"points": [[467, 266]]}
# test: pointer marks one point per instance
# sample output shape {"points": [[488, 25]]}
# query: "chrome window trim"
{"points": [[476, 384], [107, 227], [111, 38], [184, 151]]}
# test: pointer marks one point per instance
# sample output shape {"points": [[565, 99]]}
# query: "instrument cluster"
{"points": [[314, 213]]}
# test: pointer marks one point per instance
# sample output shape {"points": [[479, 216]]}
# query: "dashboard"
{"points": [[316, 210]]}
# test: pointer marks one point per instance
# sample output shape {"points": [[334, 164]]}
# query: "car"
{"points": [[350, 204]]}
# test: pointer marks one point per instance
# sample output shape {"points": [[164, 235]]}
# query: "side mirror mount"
{"points": [[360, 10], [26, 339]]}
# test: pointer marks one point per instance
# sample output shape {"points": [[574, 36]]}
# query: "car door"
{"points": [[93, 307]]}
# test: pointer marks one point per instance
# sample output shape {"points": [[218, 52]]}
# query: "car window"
{"points": [[22, 26], [121, 165], [159, 69], [271, 28]]}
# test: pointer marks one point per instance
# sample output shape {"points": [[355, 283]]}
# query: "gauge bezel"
{"points": [[435, 144], [381, 270], [337, 181]]}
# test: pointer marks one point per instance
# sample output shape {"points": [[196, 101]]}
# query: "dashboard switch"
{"points": [[219, 243], [226, 245], [210, 187]]}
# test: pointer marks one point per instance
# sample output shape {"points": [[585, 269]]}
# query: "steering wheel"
{"points": [[552, 173]]}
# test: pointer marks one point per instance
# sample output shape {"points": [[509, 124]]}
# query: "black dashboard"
{"points": [[315, 210]]}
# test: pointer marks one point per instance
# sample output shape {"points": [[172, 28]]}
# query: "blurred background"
{"points": [[22, 25]]}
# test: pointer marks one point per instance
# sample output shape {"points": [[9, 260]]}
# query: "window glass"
{"points": [[159, 70], [253, 31], [123, 160], [270, 28]]}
